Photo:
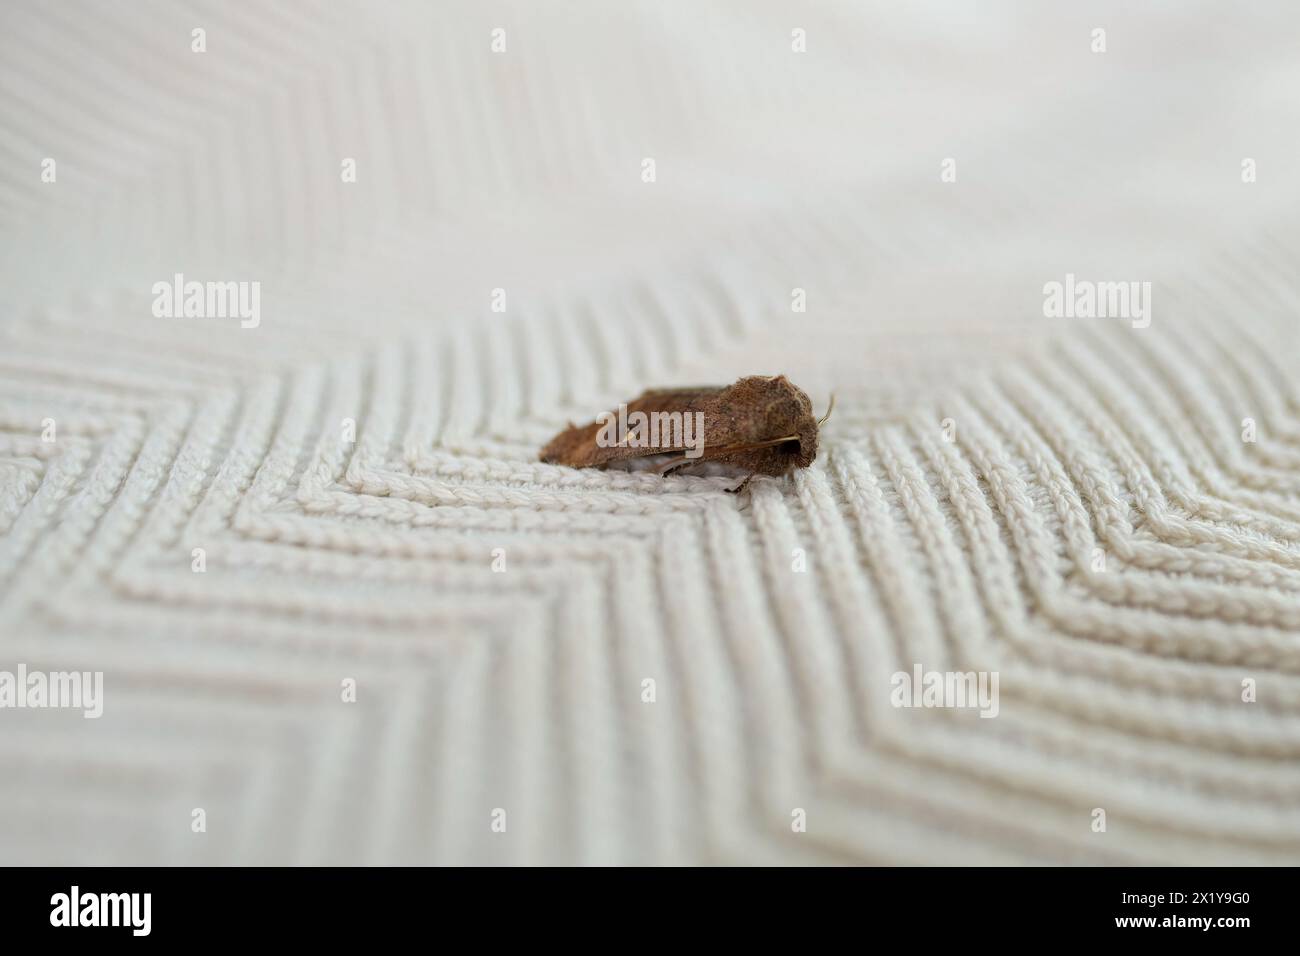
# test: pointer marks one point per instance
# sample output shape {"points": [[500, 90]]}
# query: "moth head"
{"points": [[787, 410]]}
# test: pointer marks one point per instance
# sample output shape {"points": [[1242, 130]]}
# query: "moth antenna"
{"points": [[727, 450], [829, 408]]}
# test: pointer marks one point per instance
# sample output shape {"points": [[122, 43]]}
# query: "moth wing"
{"points": [[576, 446], [675, 399]]}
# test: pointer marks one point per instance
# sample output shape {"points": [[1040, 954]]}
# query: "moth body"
{"points": [[760, 425]]}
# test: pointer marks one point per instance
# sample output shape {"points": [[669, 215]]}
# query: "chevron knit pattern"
{"points": [[237, 525]]}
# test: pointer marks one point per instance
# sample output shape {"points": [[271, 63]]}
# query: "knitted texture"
{"points": [[242, 527]]}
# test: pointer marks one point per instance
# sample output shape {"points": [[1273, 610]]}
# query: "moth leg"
{"points": [[678, 466], [743, 485]]}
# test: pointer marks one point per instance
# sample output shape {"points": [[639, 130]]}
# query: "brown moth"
{"points": [[762, 424]]}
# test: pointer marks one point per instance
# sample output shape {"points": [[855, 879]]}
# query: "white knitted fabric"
{"points": [[1074, 504]]}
